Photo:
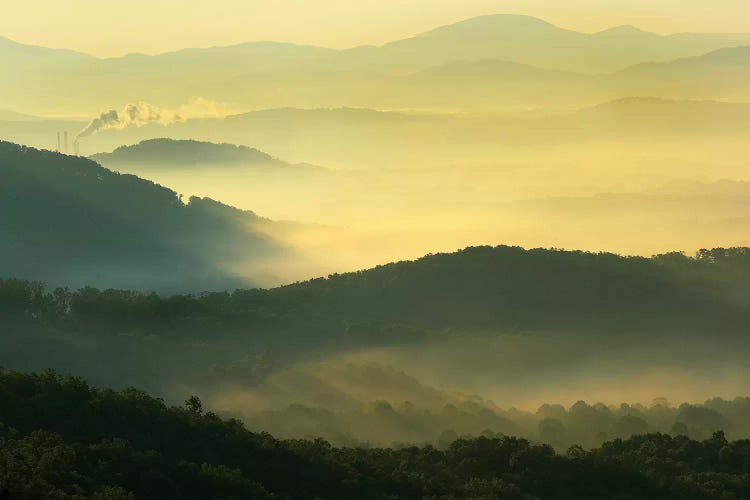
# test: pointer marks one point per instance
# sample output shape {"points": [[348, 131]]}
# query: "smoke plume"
{"points": [[138, 114]]}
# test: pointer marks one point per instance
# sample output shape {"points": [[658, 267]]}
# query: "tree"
{"points": [[194, 405]]}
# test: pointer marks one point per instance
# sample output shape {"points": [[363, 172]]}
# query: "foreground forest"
{"points": [[61, 438]]}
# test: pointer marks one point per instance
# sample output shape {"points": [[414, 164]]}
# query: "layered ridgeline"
{"points": [[561, 305], [190, 153], [533, 41], [480, 288], [72, 222], [359, 137], [256, 75], [64, 439], [314, 358]]}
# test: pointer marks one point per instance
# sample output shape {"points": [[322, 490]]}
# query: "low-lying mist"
{"points": [[432, 390], [636, 197], [468, 385], [635, 176]]}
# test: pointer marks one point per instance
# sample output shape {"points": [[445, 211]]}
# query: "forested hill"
{"points": [[481, 288], [62, 439], [75, 223], [187, 152], [513, 288]]}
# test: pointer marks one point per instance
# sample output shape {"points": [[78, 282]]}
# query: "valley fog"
{"points": [[635, 197], [494, 258]]}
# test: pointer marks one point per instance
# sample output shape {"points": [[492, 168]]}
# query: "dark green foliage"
{"points": [[502, 288], [61, 439], [75, 223]]}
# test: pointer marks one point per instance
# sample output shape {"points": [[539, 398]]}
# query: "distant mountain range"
{"points": [[722, 59], [76, 223], [348, 136], [22, 56], [483, 289], [518, 38], [532, 41], [267, 74], [9, 115]]}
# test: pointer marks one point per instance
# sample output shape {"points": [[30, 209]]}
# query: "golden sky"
{"points": [[116, 27]]}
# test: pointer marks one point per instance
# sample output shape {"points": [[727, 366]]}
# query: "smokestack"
{"points": [[76, 150], [65, 134], [58, 142]]}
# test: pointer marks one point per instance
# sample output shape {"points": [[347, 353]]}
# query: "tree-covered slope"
{"points": [[480, 288], [69, 221], [62, 439]]}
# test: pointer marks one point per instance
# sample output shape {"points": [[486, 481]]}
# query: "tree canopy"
{"points": [[61, 438]]}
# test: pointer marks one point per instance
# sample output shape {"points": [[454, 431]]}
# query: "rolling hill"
{"points": [[75, 223], [513, 312], [732, 58], [346, 137], [646, 116], [187, 153], [480, 288], [280, 74], [529, 40], [720, 74], [63, 438], [484, 313]]}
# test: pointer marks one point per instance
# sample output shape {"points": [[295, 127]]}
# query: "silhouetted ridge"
{"points": [[77, 223], [186, 152], [482, 288]]}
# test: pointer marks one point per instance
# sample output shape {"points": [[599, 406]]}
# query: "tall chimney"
{"points": [[66, 141], [58, 142]]}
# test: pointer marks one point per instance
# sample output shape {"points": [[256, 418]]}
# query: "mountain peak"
{"points": [[508, 19], [625, 29], [511, 23]]}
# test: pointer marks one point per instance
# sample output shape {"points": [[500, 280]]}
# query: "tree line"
{"points": [[503, 288], [63, 439]]}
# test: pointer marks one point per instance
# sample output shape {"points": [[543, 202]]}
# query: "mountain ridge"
{"points": [[732, 55], [256, 75], [488, 21], [185, 151], [78, 223]]}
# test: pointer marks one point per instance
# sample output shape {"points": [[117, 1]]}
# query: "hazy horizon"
{"points": [[512, 246], [356, 24]]}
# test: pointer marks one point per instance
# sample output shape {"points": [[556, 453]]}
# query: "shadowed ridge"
{"points": [[185, 151], [77, 223]]}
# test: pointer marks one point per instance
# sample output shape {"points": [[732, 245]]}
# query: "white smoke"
{"points": [[138, 114], [143, 113], [105, 120]]}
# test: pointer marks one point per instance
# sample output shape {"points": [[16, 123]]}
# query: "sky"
{"points": [[115, 27]]}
